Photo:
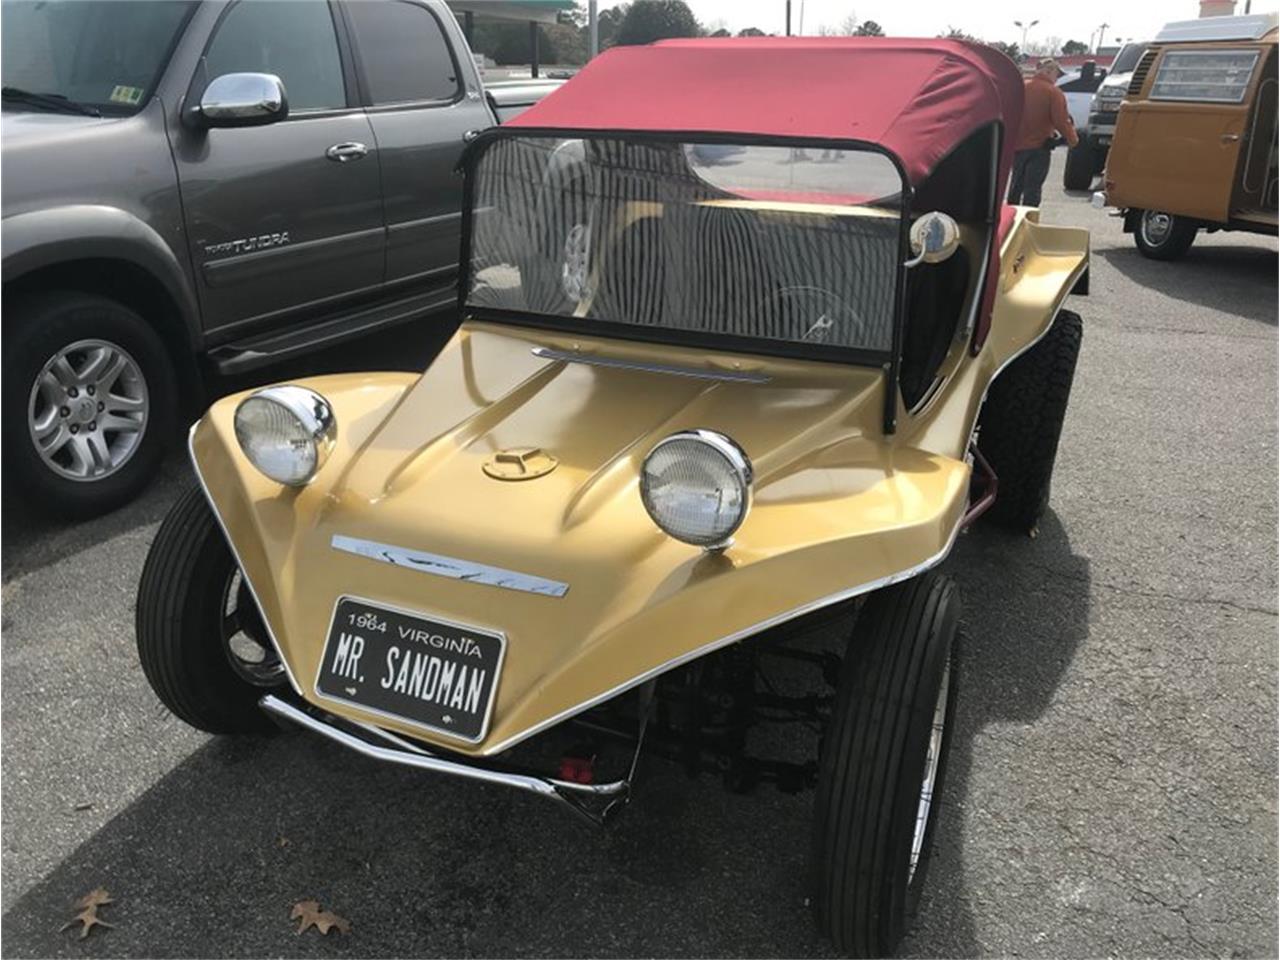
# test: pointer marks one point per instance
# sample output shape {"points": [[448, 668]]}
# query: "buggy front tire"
{"points": [[883, 759], [201, 640], [1022, 421]]}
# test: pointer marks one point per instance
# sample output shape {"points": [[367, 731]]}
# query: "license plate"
{"points": [[420, 670]]}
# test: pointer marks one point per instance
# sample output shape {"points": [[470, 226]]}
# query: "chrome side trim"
{"points": [[408, 755], [732, 638], [697, 373], [451, 567], [231, 545]]}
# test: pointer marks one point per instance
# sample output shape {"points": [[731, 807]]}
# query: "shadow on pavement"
{"points": [[210, 859], [1026, 613], [1239, 280]]}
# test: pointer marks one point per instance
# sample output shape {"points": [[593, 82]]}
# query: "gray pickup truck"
{"points": [[211, 186]]}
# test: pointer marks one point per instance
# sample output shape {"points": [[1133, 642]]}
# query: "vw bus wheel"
{"points": [[95, 388], [1163, 236], [1022, 424], [201, 640], [882, 765]]}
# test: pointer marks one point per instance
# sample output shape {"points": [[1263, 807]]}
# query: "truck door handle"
{"points": [[342, 152], [470, 135]]}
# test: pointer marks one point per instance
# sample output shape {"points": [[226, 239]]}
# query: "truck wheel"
{"points": [[1078, 173], [883, 759], [97, 396], [1022, 421], [1163, 236], [201, 640]]}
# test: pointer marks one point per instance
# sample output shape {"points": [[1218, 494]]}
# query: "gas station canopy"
{"points": [[537, 11]]}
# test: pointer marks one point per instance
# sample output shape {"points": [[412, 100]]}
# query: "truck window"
{"points": [[1217, 76], [295, 41], [404, 53]]}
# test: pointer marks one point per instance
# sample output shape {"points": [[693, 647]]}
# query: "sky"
{"points": [[988, 19]]}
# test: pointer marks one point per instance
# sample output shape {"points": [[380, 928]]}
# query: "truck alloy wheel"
{"points": [[1163, 236], [95, 388]]}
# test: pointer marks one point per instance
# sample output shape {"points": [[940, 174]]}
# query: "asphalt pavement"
{"points": [[1112, 788]]}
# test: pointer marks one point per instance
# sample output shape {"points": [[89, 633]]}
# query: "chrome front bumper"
{"points": [[596, 802]]}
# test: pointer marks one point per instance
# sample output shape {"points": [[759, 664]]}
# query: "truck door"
{"points": [[422, 115], [1182, 142], [283, 219]]}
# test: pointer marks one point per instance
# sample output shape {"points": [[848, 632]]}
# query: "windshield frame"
{"points": [[729, 343], [110, 108]]}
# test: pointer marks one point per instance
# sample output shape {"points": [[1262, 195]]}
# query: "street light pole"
{"points": [[1025, 27], [593, 29], [1102, 31], [788, 18]]}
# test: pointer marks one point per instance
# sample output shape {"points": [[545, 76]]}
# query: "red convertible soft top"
{"points": [[916, 98]]}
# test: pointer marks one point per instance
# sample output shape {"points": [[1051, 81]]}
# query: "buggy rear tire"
{"points": [[884, 750], [1163, 236], [1022, 421], [1079, 169], [181, 622]]}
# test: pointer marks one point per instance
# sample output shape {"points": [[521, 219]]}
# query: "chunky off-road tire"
{"points": [[51, 342], [1022, 423], [181, 613], [895, 688], [1163, 236], [1079, 169]]}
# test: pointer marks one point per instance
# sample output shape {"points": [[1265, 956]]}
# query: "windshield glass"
{"points": [[107, 55], [713, 240], [1128, 58]]}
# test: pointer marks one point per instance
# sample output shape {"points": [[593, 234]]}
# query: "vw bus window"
{"points": [[1216, 76], [708, 240]]}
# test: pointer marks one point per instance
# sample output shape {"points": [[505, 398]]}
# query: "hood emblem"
{"points": [[520, 463]]}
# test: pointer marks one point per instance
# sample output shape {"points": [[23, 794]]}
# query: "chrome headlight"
{"points": [[286, 432], [696, 486]]}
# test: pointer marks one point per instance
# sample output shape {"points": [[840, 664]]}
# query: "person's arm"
{"points": [[1062, 117]]}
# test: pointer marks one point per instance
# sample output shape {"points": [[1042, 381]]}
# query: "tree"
{"points": [[1072, 47], [650, 20], [849, 25], [752, 32], [869, 28], [1010, 50], [955, 33], [609, 22], [722, 32]]}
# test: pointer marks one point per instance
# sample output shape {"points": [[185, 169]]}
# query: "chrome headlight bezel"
{"points": [[313, 415], [740, 469]]}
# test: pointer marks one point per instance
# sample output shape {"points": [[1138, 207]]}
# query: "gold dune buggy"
{"points": [[721, 372]]}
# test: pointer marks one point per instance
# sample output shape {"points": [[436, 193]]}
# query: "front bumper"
{"points": [[598, 803]]}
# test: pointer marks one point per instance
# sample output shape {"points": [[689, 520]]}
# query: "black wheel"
{"points": [[1078, 173], [1022, 423], [201, 640], [883, 761], [1163, 236], [95, 390]]}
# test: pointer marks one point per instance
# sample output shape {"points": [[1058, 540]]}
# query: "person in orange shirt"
{"points": [[1044, 118]]}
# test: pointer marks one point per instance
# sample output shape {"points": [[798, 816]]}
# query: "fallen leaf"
{"points": [[94, 898], [88, 916], [309, 914], [283, 841]]}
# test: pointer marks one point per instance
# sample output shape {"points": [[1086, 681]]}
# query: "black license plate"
{"points": [[427, 672]]}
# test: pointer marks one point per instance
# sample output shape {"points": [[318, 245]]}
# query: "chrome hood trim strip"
{"points": [[451, 567]]}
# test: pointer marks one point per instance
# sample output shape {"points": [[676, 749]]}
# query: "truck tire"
{"points": [[1163, 236], [198, 626], [883, 759], [1021, 424], [1079, 170], [96, 392]]}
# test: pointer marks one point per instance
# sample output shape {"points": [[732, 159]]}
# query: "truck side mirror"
{"points": [[243, 100]]}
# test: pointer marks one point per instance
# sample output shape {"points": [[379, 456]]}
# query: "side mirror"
{"points": [[243, 100], [934, 238]]}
